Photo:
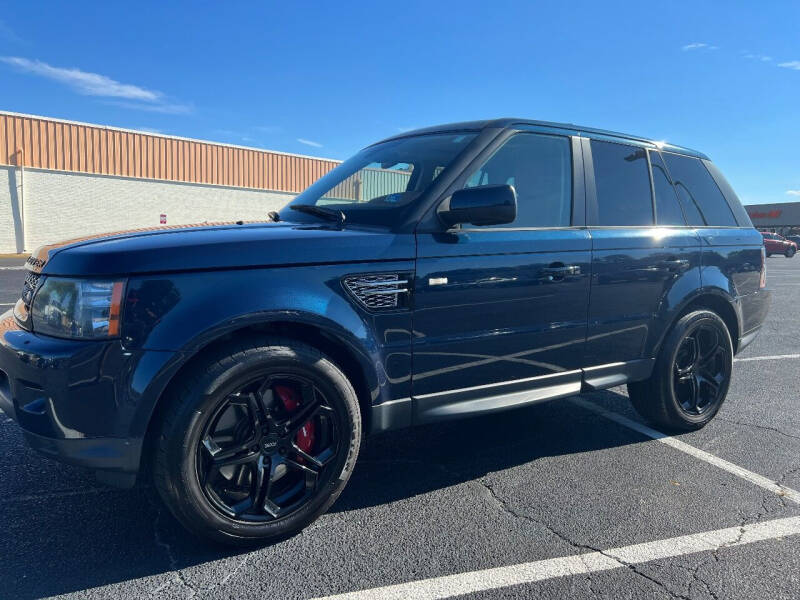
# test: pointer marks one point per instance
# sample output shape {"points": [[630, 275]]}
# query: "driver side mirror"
{"points": [[482, 205]]}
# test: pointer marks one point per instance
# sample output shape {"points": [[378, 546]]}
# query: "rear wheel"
{"points": [[691, 377], [789, 252], [257, 442]]}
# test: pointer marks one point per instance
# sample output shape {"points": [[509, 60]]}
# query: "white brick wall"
{"points": [[8, 211], [61, 205]]}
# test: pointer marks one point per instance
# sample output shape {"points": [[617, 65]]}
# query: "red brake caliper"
{"points": [[305, 437]]}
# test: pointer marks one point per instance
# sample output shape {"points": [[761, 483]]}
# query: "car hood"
{"points": [[218, 246]]}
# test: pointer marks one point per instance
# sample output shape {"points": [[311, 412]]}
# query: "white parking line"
{"points": [[755, 478], [773, 357], [448, 586], [13, 268]]}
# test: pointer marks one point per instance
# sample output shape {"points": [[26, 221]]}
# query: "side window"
{"points": [[622, 183], [702, 201], [540, 169], [668, 211]]}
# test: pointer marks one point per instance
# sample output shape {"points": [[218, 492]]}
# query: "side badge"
{"points": [[437, 281]]}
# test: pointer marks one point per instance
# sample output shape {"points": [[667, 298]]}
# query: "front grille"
{"points": [[29, 287], [379, 291]]}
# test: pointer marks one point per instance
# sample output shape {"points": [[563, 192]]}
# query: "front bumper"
{"points": [[78, 402]]}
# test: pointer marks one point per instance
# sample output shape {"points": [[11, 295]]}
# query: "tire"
{"points": [[789, 252], [769, 254], [666, 398], [195, 471]]}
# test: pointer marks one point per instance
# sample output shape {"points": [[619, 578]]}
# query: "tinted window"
{"points": [[701, 199], [733, 200], [622, 183], [540, 169], [668, 211]]}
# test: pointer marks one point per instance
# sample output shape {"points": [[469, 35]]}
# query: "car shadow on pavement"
{"points": [[66, 539]]}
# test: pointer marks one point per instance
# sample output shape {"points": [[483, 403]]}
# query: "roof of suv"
{"points": [[508, 122]]}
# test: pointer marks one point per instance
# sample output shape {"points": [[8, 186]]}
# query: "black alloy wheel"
{"points": [[691, 375], [256, 440], [263, 453], [702, 369]]}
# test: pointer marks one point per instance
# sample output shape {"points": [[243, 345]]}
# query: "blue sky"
{"points": [[327, 78]]}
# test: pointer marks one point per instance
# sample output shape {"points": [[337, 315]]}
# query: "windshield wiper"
{"points": [[329, 214]]}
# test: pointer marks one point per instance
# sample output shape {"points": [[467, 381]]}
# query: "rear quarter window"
{"points": [[727, 190], [701, 198]]}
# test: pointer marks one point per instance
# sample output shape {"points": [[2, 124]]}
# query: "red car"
{"points": [[776, 244]]}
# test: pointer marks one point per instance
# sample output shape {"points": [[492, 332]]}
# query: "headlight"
{"points": [[77, 309]]}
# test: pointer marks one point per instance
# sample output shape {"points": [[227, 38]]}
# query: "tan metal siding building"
{"points": [[44, 143]]}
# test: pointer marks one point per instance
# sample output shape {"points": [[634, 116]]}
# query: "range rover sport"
{"points": [[447, 272]]}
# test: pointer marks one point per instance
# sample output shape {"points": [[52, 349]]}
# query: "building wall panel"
{"points": [[62, 205], [84, 148]]}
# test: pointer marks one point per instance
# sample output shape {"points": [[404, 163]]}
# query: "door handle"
{"points": [[675, 264], [559, 271]]}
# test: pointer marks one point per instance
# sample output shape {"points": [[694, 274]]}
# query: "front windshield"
{"points": [[376, 184]]}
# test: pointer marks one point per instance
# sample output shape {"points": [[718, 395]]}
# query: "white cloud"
{"points": [[698, 46], [792, 64], [793, 192], [754, 56], [93, 84], [309, 143], [83, 82]]}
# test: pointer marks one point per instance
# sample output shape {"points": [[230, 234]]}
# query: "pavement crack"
{"points": [[178, 576], [503, 505], [757, 426]]}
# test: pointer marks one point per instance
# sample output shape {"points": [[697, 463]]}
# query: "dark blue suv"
{"points": [[447, 272]]}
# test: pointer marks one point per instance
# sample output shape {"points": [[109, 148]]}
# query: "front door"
{"points": [[500, 312]]}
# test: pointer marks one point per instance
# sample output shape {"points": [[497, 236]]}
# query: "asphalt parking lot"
{"points": [[569, 499]]}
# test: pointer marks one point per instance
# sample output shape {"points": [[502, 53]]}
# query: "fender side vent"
{"points": [[381, 291]]}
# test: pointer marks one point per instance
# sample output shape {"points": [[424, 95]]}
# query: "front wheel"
{"points": [[691, 376], [257, 441], [789, 252]]}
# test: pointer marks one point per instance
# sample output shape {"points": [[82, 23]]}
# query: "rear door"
{"points": [[500, 311], [731, 248], [644, 257]]}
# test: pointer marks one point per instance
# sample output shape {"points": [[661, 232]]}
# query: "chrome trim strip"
{"points": [[500, 401], [498, 384], [390, 402], [371, 284], [605, 366]]}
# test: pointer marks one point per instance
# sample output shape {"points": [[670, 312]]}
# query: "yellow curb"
{"points": [[24, 255]]}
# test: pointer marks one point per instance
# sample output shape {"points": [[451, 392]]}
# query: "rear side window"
{"points": [[733, 200], [622, 183], [702, 201], [540, 169], [668, 211]]}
